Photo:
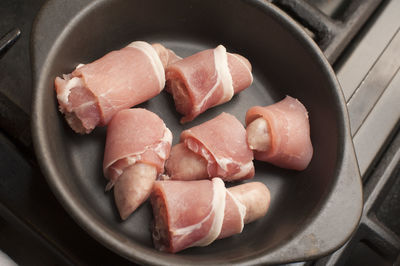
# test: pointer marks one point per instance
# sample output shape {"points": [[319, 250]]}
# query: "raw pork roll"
{"points": [[280, 134], [93, 93], [195, 213], [206, 79], [216, 148], [137, 145]]}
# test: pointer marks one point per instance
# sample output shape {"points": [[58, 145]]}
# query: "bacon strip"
{"points": [[195, 213], [135, 137], [289, 129], [206, 79], [221, 144], [93, 93]]}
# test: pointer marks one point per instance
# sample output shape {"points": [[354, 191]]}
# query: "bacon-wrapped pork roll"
{"points": [[216, 148], [280, 134], [93, 93], [195, 213], [206, 79], [137, 145]]}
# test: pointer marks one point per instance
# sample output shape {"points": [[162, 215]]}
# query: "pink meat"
{"points": [[206, 79], [81, 109], [290, 133], [133, 136], [182, 222], [167, 56], [93, 93], [222, 142]]}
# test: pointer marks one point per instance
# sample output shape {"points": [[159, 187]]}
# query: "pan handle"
{"points": [[339, 216]]}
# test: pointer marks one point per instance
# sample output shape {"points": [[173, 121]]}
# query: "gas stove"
{"points": [[360, 38]]}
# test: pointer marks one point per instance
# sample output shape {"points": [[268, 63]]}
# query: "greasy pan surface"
{"points": [[312, 212]]}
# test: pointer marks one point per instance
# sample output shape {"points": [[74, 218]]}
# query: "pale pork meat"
{"points": [[280, 134], [94, 92], [206, 79], [137, 145], [215, 148], [195, 213]]}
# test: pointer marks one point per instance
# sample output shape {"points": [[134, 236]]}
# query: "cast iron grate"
{"points": [[334, 29]]}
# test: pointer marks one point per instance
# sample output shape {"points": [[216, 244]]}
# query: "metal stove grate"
{"points": [[333, 23]]}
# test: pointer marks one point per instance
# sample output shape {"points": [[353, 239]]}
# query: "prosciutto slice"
{"points": [[219, 149], [195, 213], [206, 79], [289, 133], [137, 145], [92, 94]]}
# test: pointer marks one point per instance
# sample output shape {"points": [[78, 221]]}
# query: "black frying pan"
{"points": [[312, 213]]}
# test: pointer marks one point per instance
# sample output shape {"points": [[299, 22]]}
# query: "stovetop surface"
{"points": [[35, 229]]}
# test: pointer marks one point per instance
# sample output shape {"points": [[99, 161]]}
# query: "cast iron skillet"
{"points": [[313, 212]]}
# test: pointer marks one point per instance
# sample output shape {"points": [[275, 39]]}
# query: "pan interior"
{"points": [[282, 65]]}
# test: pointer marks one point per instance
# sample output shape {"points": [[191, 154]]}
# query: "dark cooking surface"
{"points": [[35, 228]]}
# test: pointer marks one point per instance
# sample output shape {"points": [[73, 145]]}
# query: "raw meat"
{"points": [[137, 145], [195, 213], [280, 134], [216, 148], [206, 79], [93, 93]]}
